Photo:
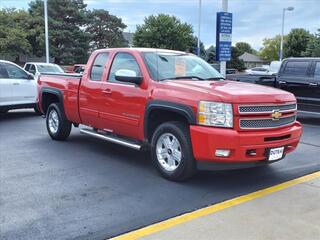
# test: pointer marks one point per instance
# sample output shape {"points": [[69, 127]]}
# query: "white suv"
{"points": [[18, 88]]}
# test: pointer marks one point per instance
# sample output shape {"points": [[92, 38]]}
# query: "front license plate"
{"points": [[275, 153]]}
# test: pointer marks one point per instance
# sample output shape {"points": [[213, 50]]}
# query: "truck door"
{"points": [[124, 104], [294, 77], [5, 87], [90, 91], [314, 85]]}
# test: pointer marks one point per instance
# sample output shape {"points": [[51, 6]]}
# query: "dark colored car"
{"points": [[301, 76]]}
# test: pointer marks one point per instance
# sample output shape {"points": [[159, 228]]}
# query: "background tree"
{"points": [[194, 47], [106, 30], [66, 18], [164, 31], [211, 54], [271, 48], [13, 33], [235, 61], [243, 47], [296, 42], [313, 46]]}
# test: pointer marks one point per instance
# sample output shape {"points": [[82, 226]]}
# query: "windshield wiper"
{"points": [[214, 78], [182, 77]]}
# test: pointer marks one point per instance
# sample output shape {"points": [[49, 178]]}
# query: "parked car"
{"points": [[301, 76], [258, 71], [177, 105], [18, 88], [37, 68]]}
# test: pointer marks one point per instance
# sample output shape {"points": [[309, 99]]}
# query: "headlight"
{"points": [[215, 114]]}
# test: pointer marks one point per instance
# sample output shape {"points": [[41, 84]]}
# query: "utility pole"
{"points": [[223, 64], [282, 31], [199, 27], [46, 30]]}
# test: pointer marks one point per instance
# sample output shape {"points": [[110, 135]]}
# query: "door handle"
{"points": [[282, 82], [107, 91], [313, 84], [16, 83]]}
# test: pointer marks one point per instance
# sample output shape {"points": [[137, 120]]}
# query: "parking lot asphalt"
{"points": [[85, 188]]}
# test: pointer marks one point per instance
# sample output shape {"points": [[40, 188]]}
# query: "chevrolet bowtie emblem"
{"points": [[276, 115]]}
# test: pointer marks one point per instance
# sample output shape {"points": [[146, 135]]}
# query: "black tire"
{"points": [[181, 132], [37, 111], [63, 125], [4, 111]]}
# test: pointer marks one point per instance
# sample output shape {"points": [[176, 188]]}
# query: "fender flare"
{"points": [[54, 91], [184, 110]]}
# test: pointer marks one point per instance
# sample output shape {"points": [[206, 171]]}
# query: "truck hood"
{"points": [[235, 92]]}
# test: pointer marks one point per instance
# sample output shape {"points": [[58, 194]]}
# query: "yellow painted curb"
{"points": [[157, 227]]}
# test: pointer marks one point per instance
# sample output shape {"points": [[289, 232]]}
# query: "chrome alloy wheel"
{"points": [[168, 152], [53, 121]]}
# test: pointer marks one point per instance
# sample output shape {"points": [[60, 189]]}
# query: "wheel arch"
{"points": [[49, 96], [158, 112]]}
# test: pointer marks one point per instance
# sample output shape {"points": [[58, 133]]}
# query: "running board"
{"points": [[111, 138]]}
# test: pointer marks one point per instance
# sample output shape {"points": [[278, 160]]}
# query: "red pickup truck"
{"points": [[174, 104]]}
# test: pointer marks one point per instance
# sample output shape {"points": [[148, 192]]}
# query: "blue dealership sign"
{"points": [[224, 36]]}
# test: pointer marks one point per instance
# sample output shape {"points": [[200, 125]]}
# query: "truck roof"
{"points": [[145, 50]]}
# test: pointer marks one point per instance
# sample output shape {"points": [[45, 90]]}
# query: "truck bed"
{"points": [[67, 85]]}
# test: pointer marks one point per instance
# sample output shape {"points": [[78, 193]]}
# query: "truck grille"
{"points": [[266, 122], [267, 108]]}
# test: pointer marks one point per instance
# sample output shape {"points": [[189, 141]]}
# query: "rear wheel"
{"points": [[58, 126], [3, 111], [172, 151]]}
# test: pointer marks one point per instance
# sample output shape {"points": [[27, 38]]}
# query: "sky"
{"points": [[253, 20]]}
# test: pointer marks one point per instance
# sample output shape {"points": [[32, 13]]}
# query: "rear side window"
{"points": [[27, 67], [317, 70], [296, 68], [98, 66]]}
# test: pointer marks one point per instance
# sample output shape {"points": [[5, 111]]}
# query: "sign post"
{"points": [[223, 38]]}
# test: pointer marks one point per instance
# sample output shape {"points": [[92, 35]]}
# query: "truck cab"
{"points": [[301, 76]]}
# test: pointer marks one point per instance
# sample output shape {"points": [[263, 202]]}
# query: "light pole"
{"points": [[199, 26], [46, 30], [281, 44]]}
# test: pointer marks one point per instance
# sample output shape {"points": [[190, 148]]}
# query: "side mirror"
{"points": [[126, 75]]}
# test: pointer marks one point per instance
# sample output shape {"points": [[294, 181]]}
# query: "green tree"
{"points": [[164, 31], [106, 30], [296, 42], [243, 47], [211, 54], [313, 46], [271, 48], [14, 33], [235, 61], [194, 47], [66, 18]]}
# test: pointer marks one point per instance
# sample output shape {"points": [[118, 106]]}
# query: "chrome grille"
{"points": [[267, 108], [266, 122]]}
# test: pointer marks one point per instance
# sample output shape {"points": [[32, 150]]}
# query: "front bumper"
{"points": [[205, 141]]}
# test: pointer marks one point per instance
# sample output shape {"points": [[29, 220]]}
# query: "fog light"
{"points": [[222, 153]]}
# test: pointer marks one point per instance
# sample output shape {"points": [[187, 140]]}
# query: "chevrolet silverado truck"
{"points": [[174, 104]]}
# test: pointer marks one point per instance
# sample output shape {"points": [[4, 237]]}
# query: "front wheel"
{"points": [[172, 151], [58, 126]]}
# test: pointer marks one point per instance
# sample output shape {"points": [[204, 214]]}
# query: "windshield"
{"points": [[49, 69], [164, 66]]}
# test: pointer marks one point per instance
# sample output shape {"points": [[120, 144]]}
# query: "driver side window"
{"points": [[14, 72], [123, 61]]}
